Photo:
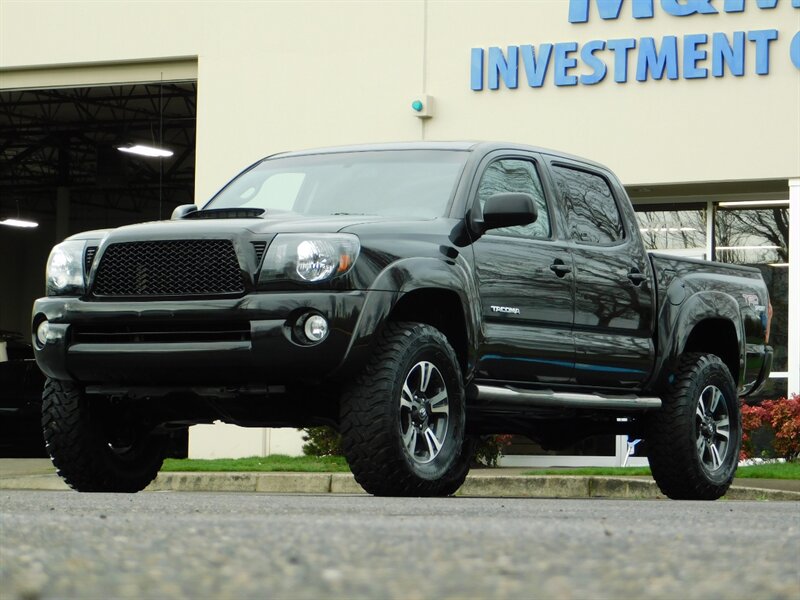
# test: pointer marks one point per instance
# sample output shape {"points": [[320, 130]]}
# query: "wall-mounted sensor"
{"points": [[423, 106]]}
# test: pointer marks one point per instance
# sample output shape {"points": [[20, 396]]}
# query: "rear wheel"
{"points": [[402, 421], [94, 449], [694, 439]]}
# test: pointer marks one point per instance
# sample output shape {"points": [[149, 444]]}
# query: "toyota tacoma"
{"points": [[414, 296]]}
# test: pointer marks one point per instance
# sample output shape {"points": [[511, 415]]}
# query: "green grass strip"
{"points": [[788, 470], [598, 471], [337, 464], [275, 462]]}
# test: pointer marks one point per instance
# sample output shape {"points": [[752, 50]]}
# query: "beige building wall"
{"points": [[228, 441], [289, 75]]}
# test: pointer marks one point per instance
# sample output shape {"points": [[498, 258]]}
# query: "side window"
{"points": [[516, 175], [592, 214]]}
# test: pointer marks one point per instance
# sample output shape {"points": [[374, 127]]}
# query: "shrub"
{"points": [[753, 418], [322, 441], [782, 417], [326, 441], [490, 449]]}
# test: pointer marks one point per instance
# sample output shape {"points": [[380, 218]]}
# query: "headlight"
{"points": [[65, 269], [309, 257]]}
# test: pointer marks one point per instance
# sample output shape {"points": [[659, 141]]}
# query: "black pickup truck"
{"points": [[415, 296]]}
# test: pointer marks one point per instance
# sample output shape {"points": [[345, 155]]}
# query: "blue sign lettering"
{"points": [[723, 52], [564, 62], [691, 57], [476, 69], [738, 5], [500, 67], [656, 62], [688, 7], [644, 9], [536, 70], [590, 60], [762, 39], [794, 50], [620, 49]]}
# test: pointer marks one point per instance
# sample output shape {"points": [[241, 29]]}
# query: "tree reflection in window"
{"points": [[759, 237], [518, 176], [592, 214], [683, 229], [752, 235]]}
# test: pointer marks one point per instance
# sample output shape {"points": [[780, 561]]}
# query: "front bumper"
{"points": [[240, 341]]}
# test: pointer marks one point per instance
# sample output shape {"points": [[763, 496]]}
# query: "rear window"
{"points": [[592, 214]]}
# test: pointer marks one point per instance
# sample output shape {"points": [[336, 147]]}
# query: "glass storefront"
{"points": [[757, 235], [745, 233], [681, 232]]}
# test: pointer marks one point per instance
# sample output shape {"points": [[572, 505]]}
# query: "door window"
{"points": [[518, 176], [592, 213]]}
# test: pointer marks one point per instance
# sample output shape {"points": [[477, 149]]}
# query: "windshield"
{"points": [[390, 183]]}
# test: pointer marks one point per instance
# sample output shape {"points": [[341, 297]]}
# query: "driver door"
{"points": [[526, 282]]}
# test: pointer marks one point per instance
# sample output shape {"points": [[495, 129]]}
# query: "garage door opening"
{"points": [[62, 169]]}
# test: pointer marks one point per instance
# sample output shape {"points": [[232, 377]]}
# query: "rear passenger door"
{"points": [[525, 280], [614, 299]]}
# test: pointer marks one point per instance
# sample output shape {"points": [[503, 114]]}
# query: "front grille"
{"points": [[161, 332], [169, 268]]}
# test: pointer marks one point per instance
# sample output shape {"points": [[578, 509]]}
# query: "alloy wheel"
{"points": [[712, 425], [424, 412]]}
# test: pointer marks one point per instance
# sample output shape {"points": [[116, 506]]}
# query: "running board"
{"points": [[492, 396]]}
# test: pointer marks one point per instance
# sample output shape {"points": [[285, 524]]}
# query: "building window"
{"points": [[752, 233], [757, 234], [680, 232]]}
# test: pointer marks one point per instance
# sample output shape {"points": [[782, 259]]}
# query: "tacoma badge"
{"points": [[505, 309]]}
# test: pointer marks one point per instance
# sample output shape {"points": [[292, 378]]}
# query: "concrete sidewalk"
{"points": [[39, 474]]}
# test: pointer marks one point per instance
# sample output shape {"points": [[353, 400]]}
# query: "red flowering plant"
{"points": [[782, 416]]}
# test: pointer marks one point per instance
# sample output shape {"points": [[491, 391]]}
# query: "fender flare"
{"points": [[393, 283], [699, 307]]}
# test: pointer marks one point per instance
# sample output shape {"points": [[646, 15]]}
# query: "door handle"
{"points": [[559, 268], [636, 277]]}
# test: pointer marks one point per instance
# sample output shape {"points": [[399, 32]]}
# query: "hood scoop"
{"points": [[226, 213]]}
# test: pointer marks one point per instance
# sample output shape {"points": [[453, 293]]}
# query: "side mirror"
{"points": [[507, 210], [183, 210]]}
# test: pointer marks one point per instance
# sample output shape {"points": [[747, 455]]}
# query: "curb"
{"points": [[486, 486]]}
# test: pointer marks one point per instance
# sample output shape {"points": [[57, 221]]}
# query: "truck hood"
{"points": [[205, 228]]}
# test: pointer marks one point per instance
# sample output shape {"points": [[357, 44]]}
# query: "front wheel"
{"points": [[694, 439], [93, 448], [402, 421]]}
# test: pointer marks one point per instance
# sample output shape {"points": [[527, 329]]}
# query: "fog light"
{"points": [[42, 333], [315, 328]]}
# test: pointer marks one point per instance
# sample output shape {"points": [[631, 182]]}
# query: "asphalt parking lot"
{"points": [[229, 545]]}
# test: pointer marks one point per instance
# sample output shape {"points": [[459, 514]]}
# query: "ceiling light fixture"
{"points": [[19, 223], [754, 203], [148, 151], [748, 247], [667, 229]]}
